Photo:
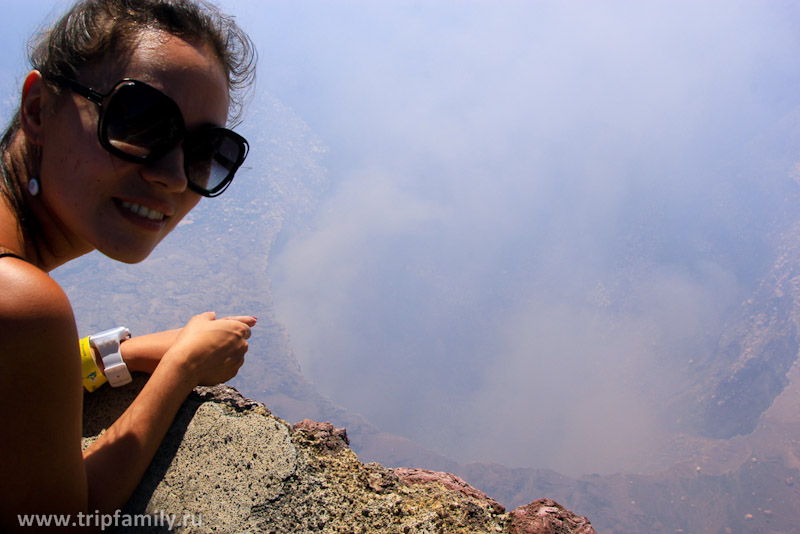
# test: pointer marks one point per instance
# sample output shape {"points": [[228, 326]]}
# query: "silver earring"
{"points": [[33, 186], [33, 183]]}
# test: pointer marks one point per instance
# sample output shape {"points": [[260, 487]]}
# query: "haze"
{"points": [[529, 234]]}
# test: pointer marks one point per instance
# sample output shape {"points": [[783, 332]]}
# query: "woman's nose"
{"points": [[167, 171]]}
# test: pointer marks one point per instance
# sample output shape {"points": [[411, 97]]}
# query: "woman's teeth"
{"points": [[143, 211]]}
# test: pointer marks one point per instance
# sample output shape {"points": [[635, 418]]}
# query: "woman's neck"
{"points": [[39, 238]]}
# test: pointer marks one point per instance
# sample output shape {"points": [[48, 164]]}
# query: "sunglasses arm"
{"points": [[82, 90]]}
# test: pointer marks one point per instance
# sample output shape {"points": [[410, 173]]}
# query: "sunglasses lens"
{"points": [[140, 121], [211, 157]]}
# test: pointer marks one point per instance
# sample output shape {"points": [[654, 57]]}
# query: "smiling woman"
{"points": [[121, 129]]}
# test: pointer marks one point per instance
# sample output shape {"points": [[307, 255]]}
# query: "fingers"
{"points": [[249, 320]]}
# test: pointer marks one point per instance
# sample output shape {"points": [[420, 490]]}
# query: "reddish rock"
{"points": [[324, 436], [424, 476], [546, 516]]}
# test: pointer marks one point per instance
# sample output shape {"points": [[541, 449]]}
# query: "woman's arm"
{"points": [[41, 463], [142, 353], [117, 460]]}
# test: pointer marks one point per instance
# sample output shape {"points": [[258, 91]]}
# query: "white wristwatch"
{"points": [[107, 345]]}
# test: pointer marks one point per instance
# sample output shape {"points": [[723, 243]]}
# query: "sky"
{"points": [[522, 247]]}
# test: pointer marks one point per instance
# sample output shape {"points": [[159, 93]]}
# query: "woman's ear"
{"points": [[30, 111]]}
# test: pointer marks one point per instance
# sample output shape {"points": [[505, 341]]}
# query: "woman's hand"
{"points": [[209, 350]]}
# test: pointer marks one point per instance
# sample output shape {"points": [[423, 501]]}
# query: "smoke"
{"points": [[520, 258]]}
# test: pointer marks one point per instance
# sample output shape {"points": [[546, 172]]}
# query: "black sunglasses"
{"points": [[141, 124]]}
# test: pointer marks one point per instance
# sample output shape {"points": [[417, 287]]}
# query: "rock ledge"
{"points": [[236, 468]]}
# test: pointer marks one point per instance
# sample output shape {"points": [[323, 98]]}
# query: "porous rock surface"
{"points": [[237, 468]]}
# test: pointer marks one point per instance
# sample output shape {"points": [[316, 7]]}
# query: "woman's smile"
{"points": [[142, 214]]}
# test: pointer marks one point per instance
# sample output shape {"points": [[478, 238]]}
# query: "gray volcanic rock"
{"points": [[231, 466]]}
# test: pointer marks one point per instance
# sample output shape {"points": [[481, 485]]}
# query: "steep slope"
{"points": [[757, 350]]}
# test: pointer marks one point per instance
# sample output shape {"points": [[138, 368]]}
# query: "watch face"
{"points": [[118, 375]]}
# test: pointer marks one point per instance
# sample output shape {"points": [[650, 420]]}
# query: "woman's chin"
{"points": [[128, 255]]}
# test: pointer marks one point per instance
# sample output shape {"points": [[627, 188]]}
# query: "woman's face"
{"points": [[98, 200]]}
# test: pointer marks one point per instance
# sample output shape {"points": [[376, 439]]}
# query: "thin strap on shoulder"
{"points": [[11, 255], [6, 252]]}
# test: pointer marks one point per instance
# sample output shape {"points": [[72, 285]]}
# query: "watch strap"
{"points": [[92, 377]]}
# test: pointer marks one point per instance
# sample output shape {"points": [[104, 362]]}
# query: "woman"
{"points": [[118, 135]]}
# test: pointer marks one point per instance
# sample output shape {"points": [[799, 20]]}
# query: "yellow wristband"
{"points": [[92, 377]]}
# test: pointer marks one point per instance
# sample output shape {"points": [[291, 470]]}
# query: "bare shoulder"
{"points": [[37, 327], [30, 293]]}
